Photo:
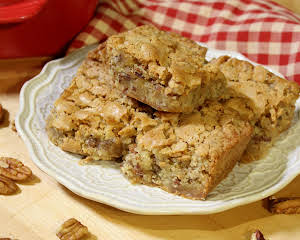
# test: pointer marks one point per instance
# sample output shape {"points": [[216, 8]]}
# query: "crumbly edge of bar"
{"points": [[85, 142]]}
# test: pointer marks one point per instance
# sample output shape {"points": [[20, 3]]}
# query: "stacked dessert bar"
{"points": [[176, 121]]}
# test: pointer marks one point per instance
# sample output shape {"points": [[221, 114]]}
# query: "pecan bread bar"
{"points": [[188, 154], [90, 118], [163, 70], [261, 97]]}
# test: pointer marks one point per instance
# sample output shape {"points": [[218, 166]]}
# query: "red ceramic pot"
{"points": [[31, 28]]}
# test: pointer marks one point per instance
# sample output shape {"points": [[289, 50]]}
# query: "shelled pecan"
{"points": [[7, 186], [14, 169], [289, 205], [72, 229]]}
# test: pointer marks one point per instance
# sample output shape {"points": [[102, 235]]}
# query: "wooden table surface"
{"points": [[43, 204]]}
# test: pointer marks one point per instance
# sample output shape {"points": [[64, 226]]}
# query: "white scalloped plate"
{"points": [[105, 183]]}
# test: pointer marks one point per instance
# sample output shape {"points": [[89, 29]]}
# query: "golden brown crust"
{"points": [[91, 118], [188, 154], [263, 98], [164, 70], [163, 52]]}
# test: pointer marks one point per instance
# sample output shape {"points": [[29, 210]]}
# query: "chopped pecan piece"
{"points": [[139, 73], [284, 205], [72, 229], [257, 235], [124, 76], [14, 169], [7, 186]]}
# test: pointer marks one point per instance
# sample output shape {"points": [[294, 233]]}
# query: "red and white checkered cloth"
{"points": [[263, 31]]}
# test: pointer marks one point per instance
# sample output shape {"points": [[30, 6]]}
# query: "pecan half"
{"points": [[257, 235], [72, 229], [7, 186], [14, 169], [284, 205]]}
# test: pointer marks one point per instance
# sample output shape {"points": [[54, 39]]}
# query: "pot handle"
{"points": [[19, 11]]}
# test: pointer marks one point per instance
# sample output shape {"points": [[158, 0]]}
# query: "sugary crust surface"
{"points": [[188, 154], [90, 117], [164, 70], [261, 97]]}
